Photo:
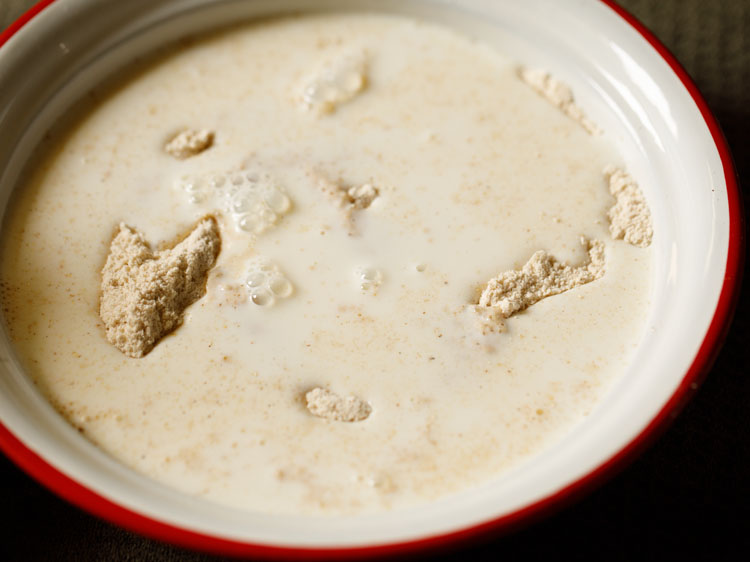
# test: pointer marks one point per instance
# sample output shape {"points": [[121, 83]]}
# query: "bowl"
{"points": [[627, 82]]}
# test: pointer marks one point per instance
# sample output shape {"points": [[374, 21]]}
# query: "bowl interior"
{"points": [[617, 76]]}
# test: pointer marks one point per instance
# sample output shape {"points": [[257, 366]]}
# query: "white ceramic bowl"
{"points": [[627, 82]]}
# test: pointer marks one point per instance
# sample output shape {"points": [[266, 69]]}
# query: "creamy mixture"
{"points": [[369, 177]]}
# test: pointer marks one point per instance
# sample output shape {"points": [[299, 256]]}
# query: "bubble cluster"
{"points": [[336, 83], [369, 279], [254, 201], [266, 283]]}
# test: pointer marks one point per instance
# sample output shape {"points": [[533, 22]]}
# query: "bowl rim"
{"points": [[81, 496]]}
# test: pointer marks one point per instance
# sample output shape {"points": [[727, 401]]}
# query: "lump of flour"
{"points": [[325, 404], [359, 196], [629, 217], [348, 198], [189, 143], [145, 293], [558, 94], [541, 277]]}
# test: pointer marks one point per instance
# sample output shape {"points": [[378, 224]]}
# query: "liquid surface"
{"points": [[474, 173]]}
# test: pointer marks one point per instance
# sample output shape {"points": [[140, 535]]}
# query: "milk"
{"points": [[474, 172]]}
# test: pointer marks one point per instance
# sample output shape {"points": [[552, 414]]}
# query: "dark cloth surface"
{"points": [[686, 498]]}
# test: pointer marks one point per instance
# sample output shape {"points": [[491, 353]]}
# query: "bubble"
{"points": [[331, 93], [370, 278], [241, 204], [370, 274], [252, 177], [267, 216], [249, 223], [277, 201], [218, 180], [261, 264], [420, 267], [353, 82], [280, 286], [382, 482], [256, 279], [195, 198], [311, 94], [237, 180], [262, 297]]}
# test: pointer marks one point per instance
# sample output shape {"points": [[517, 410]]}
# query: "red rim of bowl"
{"points": [[78, 494]]}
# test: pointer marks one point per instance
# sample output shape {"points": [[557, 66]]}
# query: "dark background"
{"points": [[686, 498]]}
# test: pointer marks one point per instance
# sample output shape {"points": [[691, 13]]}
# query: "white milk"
{"points": [[475, 173]]}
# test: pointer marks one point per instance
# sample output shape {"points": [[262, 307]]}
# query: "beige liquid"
{"points": [[475, 173]]}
